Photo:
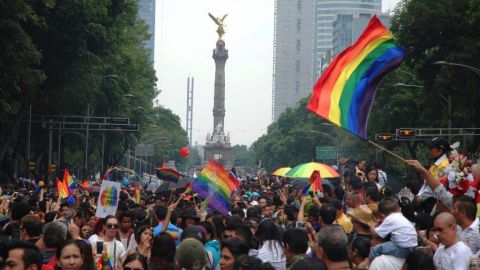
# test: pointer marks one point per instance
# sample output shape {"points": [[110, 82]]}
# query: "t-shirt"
{"points": [[387, 262], [173, 230], [402, 230], [115, 250], [456, 257], [272, 251], [346, 223]]}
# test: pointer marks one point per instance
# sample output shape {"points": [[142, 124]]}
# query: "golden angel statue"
{"points": [[220, 23]]}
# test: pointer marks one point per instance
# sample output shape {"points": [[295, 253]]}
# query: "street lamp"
{"points": [[447, 99], [331, 138], [476, 70]]}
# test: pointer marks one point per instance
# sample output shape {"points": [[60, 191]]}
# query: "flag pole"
{"points": [[386, 150]]}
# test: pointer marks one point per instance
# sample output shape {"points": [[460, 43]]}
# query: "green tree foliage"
{"points": [[63, 57], [243, 156]]}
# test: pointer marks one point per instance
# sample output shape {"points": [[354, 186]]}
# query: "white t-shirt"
{"points": [[272, 252], [115, 250], [456, 257], [402, 230], [387, 262]]}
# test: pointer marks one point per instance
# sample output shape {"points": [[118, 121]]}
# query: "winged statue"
{"points": [[219, 21]]}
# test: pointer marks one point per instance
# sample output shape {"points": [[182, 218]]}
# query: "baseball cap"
{"points": [[438, 142], [191, 254]]}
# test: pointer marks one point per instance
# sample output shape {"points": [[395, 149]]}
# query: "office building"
{"points": [[146, 10]]}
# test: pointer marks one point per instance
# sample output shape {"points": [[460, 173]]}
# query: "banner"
{"points": [[108, 199]]}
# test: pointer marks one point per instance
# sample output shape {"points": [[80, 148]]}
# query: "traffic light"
{"points": [[406, 133], [52, 168], [31, 166], [384, 137]]}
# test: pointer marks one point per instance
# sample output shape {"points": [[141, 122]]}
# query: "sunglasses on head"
{"points": [[129, 268], [112, 226]]}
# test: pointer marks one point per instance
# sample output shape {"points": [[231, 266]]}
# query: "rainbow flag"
{"points": [[68, 179], [167, 174], [62, 189], [344, 93], [314, 183], [137, 193], [215, 185]]}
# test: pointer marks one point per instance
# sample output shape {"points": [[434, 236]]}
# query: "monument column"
{"points": [[220, 55], [218, 145]]}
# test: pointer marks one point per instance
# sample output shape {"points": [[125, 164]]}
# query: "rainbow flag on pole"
{"points": [[344, 93], [167, 174], [215, 185]]}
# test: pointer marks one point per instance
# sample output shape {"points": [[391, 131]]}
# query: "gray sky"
{"points": [[184, 39]]}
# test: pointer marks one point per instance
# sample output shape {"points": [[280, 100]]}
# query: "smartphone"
{"points": [[99, 247], [300, 225]]}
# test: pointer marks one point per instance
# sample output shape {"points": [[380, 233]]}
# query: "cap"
{"points": [[362, 214], [191, 254], [438, 142], [196, 231]]}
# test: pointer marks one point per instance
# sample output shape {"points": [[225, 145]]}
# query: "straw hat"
{"points": [[362, 214]]}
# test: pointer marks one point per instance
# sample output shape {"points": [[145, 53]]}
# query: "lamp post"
{"points": [[476, 70], [447, 99], [331, 138]]}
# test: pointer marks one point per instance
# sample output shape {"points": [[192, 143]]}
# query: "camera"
{"points": [[300, 225]]}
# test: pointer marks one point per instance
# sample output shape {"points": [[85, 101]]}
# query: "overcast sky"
{"points": [[184, 39]]}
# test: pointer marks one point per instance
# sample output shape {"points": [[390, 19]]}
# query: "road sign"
{"points": [[144, 150], [326, 153]]}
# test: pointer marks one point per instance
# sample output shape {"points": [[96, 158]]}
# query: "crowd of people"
{"points": [[355, 222]]}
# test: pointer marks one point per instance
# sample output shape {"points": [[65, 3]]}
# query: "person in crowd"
{"points": [[332, 248], [126, 229], [144, 238], [18, 209], [453, 254], [161, 213], [382, 176], [309, 263], [22, 255], [232, 248], [114, 248], [86, 231], [362, 218], [87, 252], [295, 242], [80, 218], [243, 231], [419, 260], [383, 262], [372, 176], [465, 212], [212, 245], [163, 252], [31, 228], [354, 199], [340, 217], [135, 261], [70, 255], [270, 244], [403, 235], [437, 149], [54, 233], [244, 262], [358, 252], [191, 255]]}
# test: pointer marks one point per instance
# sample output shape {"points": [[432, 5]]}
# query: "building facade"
{"points": [[293, 53], [146, 10]]}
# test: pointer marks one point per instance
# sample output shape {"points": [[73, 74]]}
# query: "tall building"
{"points": [[146, 11], [347, 28], [326, 12], [293, 52]]}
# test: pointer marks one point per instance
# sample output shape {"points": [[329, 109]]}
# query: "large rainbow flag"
{"points": [[215, 185], [344, 93]]}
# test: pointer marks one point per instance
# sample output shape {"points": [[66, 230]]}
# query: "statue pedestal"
{"points": [[218, 147]]}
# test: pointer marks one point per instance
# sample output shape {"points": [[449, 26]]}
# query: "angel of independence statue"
{"points": [[219, 21]]}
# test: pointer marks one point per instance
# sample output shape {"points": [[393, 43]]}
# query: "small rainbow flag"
{"points": [[314, 183], [68, 179], [188, 188], [167, 174], [137, 193], [62, 189], [344, 93], [215, 185]]}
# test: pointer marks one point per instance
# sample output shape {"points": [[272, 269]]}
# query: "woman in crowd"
{"points": [[70, 256], [144, 238], [232, 248], [372, 176], [270, 244], [135, 262], [163, 252]]}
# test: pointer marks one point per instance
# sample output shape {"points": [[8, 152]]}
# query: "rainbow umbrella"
{"points": [[305, 170], [281, 171]]}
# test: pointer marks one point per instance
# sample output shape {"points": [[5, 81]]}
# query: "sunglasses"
{"points": [[112, 226], [129, 268]]}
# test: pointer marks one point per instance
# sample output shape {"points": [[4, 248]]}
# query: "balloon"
{"points": [[184, 151]]}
